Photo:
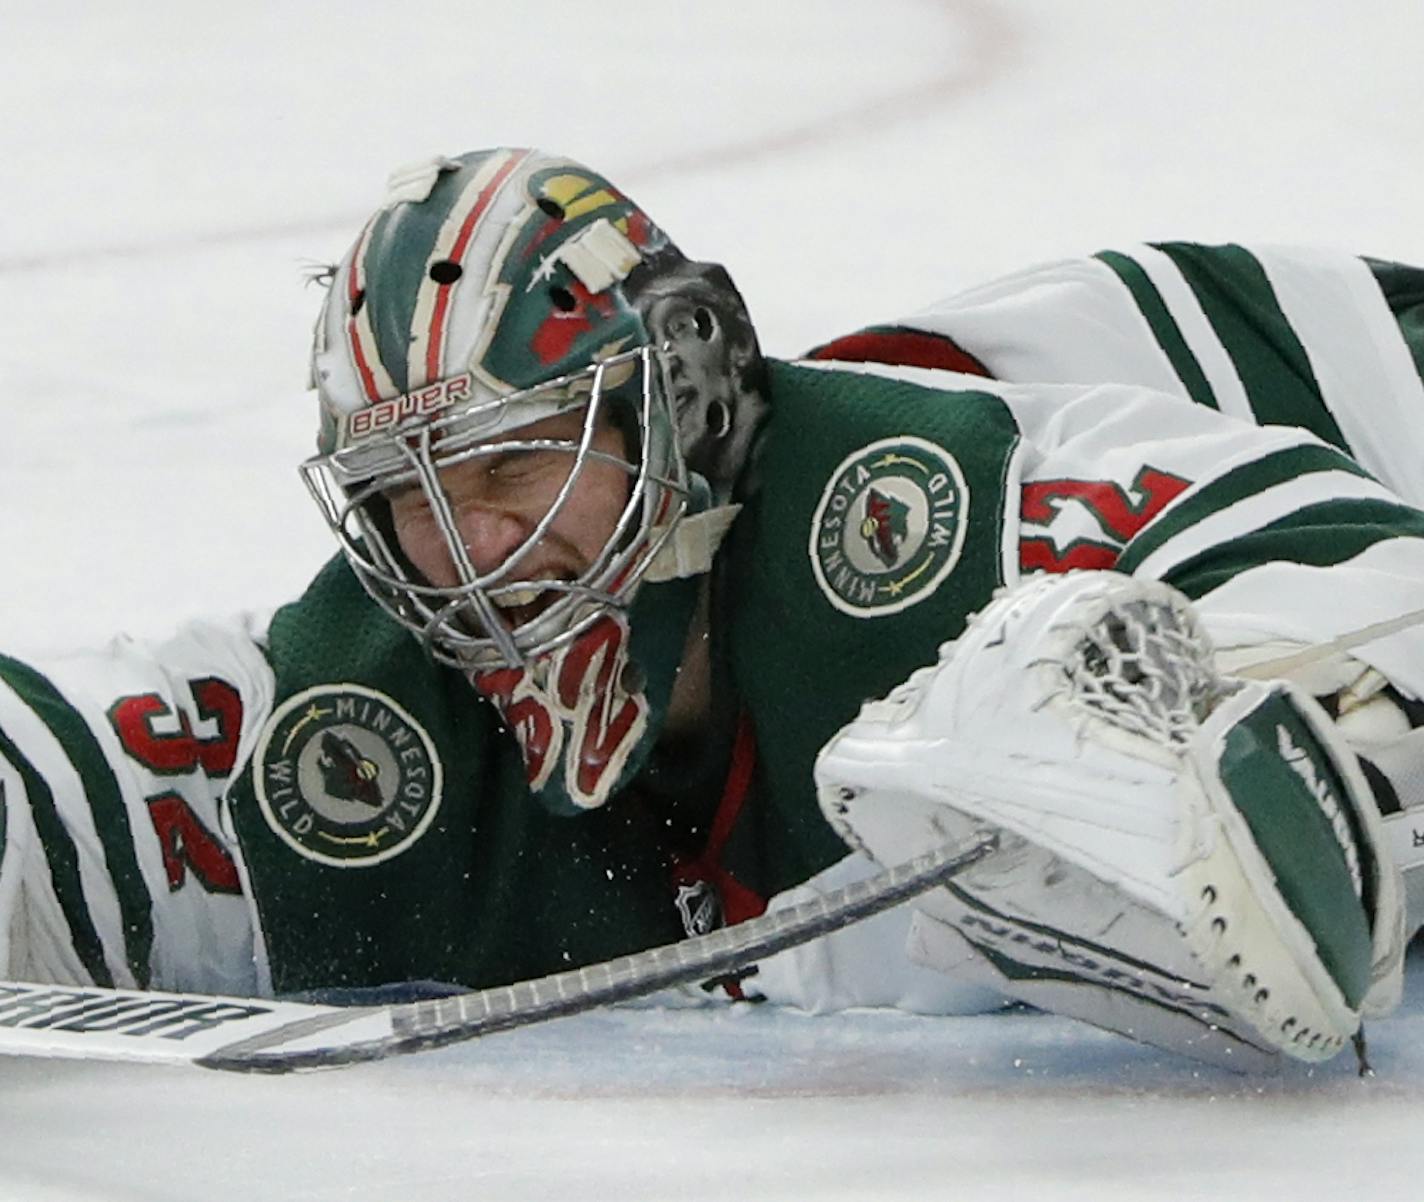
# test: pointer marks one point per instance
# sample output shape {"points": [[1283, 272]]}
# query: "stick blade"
{"points": [[168, 1028]]}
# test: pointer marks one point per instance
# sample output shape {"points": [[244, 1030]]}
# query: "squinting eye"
{"points": [[522, 465]]}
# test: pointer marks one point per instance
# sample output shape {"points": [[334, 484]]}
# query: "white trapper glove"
{"points": [[1187, 858]]}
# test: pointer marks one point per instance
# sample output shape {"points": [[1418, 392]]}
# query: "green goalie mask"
{"points": [[491, 291], [494, 291]]}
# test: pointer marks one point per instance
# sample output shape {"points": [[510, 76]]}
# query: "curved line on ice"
{"points": [[990, 45]]}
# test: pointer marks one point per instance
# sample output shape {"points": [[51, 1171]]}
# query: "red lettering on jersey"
{"points": [[604, 715], [187, 844], [1118, 515], [132, 718], [179, 751], [583, 713], [535, 728], [219, 702]]}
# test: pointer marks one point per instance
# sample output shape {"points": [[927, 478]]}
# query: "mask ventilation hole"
{"points": [[704, 324], [550, 207], [719, 419], [446, 271], [357, 301], [563, 299]]}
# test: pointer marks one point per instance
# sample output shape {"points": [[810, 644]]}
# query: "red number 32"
{"points": [[165, 743]]}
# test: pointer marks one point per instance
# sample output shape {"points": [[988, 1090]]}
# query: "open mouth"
{"points": [[522, 605]]}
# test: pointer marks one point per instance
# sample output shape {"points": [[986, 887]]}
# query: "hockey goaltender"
{"points": [[636, 632]]}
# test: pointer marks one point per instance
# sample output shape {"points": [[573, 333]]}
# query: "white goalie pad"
{"points": [[1187, 858]]}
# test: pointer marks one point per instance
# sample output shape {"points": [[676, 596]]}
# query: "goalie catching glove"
{"points": [[1187, 858]]}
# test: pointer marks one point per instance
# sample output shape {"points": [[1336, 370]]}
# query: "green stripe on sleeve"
{"points": [[1315, 536], [1235, 486], [63, 861], [1163, 326], [106, 804], [1403, 289], [1241, 306]]}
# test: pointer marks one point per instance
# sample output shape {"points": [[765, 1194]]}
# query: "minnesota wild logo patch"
{"points": [[345, 776], [889, 527]]}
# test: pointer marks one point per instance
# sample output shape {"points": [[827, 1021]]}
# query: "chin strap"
{"points": [[693, 545]]}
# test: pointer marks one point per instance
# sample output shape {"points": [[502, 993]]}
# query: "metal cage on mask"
{"points": [[468, 625]]}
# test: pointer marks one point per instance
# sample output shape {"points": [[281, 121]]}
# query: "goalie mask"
{"points": [[513, 351]]}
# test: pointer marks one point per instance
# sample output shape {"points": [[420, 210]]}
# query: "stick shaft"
{"points": [[440, 1021]]}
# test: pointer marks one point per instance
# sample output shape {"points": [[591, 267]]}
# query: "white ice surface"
{"points": [[167, 167]]}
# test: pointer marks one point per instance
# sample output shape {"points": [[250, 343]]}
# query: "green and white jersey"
{"points": [[1274, 335], [1305, 338], [117, 866], [308, 803], [1276, 536], [312, 804]]}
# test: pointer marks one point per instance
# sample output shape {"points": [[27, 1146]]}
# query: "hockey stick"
{"points": [[1285, 664], [258, 1036]]}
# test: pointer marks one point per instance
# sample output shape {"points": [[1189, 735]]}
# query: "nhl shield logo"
{"points": [[699, 907], [346, 777], [889, 527]]}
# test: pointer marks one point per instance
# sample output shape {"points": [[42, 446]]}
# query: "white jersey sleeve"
{"points": [[1274, 335], [1277, 538], [118, 868]]}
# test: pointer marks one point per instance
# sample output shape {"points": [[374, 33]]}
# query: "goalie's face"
{"points": [[501, 527], [518, 509]]}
